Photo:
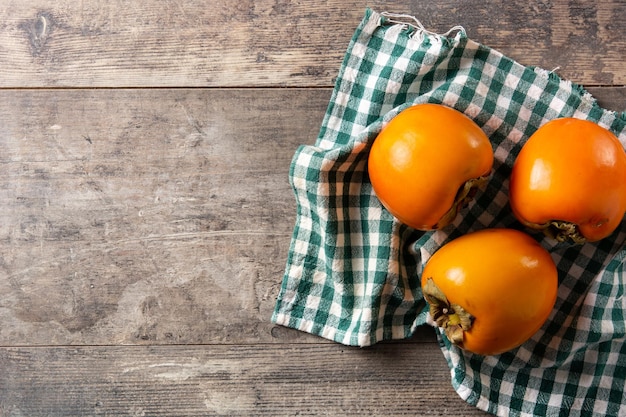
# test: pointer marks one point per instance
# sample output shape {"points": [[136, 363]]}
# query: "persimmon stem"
{"points": [[452, 318], [464, 195], [561, 231]]}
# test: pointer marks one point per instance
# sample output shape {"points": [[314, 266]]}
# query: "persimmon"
{"points": [[427, 163], [490, 290], [569, 180]]}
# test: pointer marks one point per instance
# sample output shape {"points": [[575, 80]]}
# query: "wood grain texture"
{"points": [[174, 43], [241, 380], [165, 219], [610, 98]]}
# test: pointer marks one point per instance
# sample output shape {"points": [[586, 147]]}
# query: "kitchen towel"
{"points": [[353, 272]]}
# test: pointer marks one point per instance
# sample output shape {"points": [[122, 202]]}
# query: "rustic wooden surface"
{"points": [[145, 211]]}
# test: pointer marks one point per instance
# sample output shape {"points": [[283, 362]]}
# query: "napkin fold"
{"points": [[353, 272]]}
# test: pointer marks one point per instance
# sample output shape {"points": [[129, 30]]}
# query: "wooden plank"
{"points": [[610, 98], [150, 216], [145, 216], [279, 43], [240, 380]]}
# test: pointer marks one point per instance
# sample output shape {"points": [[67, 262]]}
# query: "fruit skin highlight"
{"points": [[426, 164], [569, 180], [490, 290]]}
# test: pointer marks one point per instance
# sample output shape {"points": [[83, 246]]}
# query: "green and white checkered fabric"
{"points": [[353, 272]]}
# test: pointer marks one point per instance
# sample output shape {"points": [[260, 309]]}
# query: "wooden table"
{"points": [[145, 210]]}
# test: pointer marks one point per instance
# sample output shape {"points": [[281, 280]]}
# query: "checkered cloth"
{"points": [[353, 272]]}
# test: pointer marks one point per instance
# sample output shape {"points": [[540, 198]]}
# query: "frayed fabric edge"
{"points": [[416, 27]]}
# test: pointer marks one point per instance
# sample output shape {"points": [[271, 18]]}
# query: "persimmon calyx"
{"points": [[452, 318], [463, 197], [561, 231]]}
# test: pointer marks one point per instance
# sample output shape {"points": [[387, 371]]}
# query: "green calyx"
{"points": [[452, 318]]}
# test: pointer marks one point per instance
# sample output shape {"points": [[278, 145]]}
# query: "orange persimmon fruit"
{"points": [[426, 164], [490, 290], [569, 180]]}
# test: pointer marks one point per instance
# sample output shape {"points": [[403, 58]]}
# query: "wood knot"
{"points": [[38, 31]]}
